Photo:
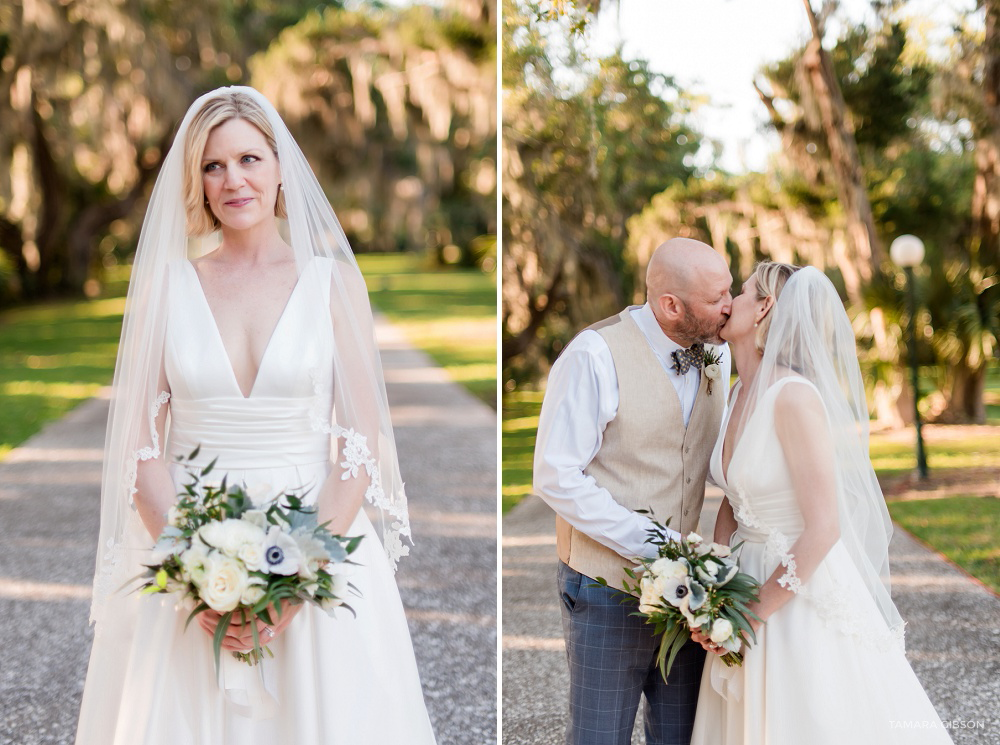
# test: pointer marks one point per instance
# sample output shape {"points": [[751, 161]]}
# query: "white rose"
{"points": [[650, 596], [225, 582], [229, 536], [693, 538], [252, 554], [721, 630], [193, 562], [713, 372], [720, 549], [669, 568], [252, 594]]}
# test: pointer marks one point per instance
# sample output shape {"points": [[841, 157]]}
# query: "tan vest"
{"points": [[647, 460]]}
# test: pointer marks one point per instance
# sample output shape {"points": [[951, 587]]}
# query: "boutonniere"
{"points": [[711, 366]]}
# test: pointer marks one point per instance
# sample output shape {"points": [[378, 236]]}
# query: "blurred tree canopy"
{"points": [[879, 138], [581, 154], [92, 92], [398, 112]]}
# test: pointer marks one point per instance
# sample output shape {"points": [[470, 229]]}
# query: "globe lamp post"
{"points": [[907, 251]]}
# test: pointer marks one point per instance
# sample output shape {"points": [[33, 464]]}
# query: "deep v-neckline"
{"points": [[723, 466], [222, 345]]}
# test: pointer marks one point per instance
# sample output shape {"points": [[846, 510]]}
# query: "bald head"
{"points": [[687, 286], [676, 266]]}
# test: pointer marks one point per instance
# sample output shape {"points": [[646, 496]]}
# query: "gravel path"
{"points": [[952, 640], [49, 496]]}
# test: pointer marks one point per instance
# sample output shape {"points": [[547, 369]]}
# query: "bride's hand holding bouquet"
{"points": [[246, 566]]}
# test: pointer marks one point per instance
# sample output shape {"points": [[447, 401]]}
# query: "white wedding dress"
{"points": [[825, 669], [333, 681]]}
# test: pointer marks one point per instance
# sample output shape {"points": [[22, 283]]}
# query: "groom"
{"points": [[628, 422]]}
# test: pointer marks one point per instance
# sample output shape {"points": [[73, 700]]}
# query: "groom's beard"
{"points": [[704, 331]]}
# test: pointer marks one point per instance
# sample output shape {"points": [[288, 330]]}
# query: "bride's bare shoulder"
{"points": [[798, 401]]}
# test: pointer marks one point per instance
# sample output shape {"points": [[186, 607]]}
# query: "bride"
{"points": [[262, 352], [828, 665]]}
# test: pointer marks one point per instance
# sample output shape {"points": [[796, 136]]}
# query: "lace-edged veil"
{"points": [[363, 437], [810, 337]]}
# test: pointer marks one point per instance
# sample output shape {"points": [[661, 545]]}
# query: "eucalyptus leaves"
{"points": [[693, 584], [242, 557]]}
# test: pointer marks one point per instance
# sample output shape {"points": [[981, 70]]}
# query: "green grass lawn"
{"points": [[962, 528], [54, 356], [892, 457], [449, 313], [520, 420]]}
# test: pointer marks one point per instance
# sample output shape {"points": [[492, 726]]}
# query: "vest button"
{"points": [[686, 512], [689, 479], [687, 449]]}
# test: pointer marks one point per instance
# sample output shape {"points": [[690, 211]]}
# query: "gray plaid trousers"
{"points": [[612, 665]]}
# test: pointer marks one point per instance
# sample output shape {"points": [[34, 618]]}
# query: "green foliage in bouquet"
{"points": [[692, 585], [242, 560]]}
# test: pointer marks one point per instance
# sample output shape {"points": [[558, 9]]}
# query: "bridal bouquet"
{"points": [[226, 554], [693, 585]]}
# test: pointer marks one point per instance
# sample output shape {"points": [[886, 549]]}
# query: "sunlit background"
{"points": [[394, 105], [807, 133]]}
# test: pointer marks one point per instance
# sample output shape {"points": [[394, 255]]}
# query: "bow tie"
{"points": [[684, 359]]}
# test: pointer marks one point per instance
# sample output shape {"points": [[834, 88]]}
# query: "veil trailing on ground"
{"points": [[361, 433], [810, 337]]}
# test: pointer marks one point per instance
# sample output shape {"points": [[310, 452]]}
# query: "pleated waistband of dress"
{"points": [[248, 433]]}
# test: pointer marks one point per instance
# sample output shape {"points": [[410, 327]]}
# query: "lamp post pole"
{"points": [[915, 373], [908, 251]]}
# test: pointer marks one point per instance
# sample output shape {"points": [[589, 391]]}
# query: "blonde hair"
{"points": [[200, 219], [771, 277]]}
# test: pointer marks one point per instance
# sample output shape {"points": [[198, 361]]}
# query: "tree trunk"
{"points": [[95, 218], [986, 187], [55, 198], [519, 344], [12, 244], [868, 251], [964, 400]]}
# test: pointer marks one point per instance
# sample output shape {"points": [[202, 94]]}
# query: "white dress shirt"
{"points": [[581, 397]]}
